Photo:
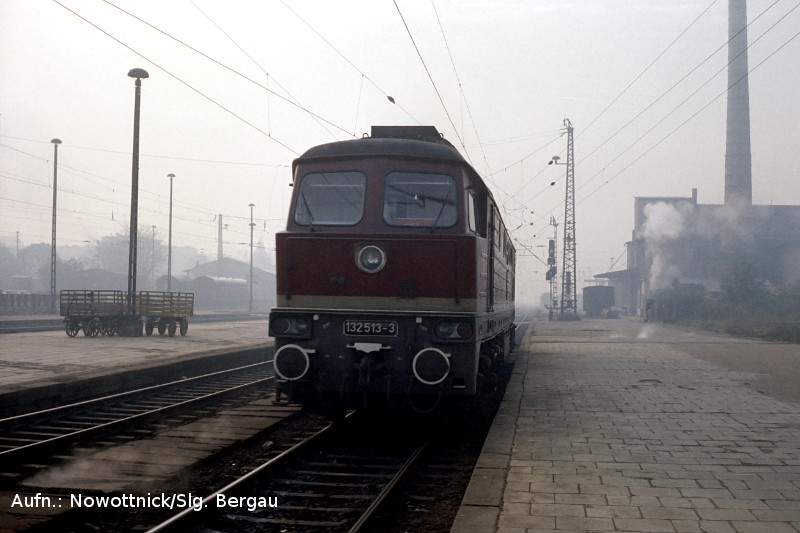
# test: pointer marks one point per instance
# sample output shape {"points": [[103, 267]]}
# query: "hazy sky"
{"points": [[283, 75]]}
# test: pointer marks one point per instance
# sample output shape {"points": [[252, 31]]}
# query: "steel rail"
{"points": [[253, 474], [366, 511], [387, 490], [20, 423]]}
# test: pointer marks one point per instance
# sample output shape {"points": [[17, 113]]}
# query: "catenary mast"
{"points": [[569, 301]]}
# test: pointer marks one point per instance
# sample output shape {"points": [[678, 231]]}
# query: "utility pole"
{"points": [[553, 270], [252, 225], [219, 247], [569, 300], [169, 245], [153, 261], [55, 142]]}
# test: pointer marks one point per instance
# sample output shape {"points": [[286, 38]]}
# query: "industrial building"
{"points": [[675, 241]]}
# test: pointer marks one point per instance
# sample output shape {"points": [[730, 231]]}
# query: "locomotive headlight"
{"points": [[281, 325], [445, 330], [454, 330], [300, 326], [371, 259], [289, 326]]}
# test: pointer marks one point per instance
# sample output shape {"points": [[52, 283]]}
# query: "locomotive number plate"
{"points": [[385, 328]]}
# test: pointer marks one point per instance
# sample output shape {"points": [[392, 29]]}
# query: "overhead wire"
{"points": [[653, 62], [180, 80], [195, 209], [693, 116], [233, 71], [679, 105], [388, 96], [663, 94], [316, 117], [155, 156], [461, 89], [717, 73], [428, 72]]}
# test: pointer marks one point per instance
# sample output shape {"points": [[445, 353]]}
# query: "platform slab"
{"points": [[620, 425], [45, 367]]}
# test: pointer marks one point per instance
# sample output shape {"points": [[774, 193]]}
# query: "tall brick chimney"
{"points": [[738, 179]]}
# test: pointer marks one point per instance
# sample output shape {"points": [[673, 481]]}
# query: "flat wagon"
{"points": [[97, 312], [102, 312], [166, 311]]}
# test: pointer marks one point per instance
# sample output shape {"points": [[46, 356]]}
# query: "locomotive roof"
{"points": [[393, 141], [413, 141]]}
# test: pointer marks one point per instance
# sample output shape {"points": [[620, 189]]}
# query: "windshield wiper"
{"points": [[308, 210], [441, 210]]}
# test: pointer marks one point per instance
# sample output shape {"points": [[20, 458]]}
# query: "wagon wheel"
{"points": [[97, 326], [112, 327], [148, 326], [173, 326], [162, 326], [184, 326], [72, 327], [92, 328]]}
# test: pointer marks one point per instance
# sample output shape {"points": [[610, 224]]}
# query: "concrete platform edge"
{"points": [[483, 500], [53, 394]]}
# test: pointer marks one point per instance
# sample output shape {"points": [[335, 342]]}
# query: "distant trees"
{"points": [[109, 254], [743, 289]]}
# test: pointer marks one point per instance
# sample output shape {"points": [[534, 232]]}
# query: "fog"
{"points": [[237, 90]]}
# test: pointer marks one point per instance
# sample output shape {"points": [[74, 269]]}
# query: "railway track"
{"points": [[334, 480], [38, 435]]}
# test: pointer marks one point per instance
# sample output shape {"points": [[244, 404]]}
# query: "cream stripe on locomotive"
{"points": [[379, 303]]}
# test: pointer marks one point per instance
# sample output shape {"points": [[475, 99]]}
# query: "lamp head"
{"points": [[138, 73]]}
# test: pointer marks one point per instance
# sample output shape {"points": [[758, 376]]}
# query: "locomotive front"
{"points": [[381, 274]]}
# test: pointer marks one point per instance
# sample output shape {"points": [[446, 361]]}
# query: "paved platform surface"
{"points": [[620, 425], [50, 365]]}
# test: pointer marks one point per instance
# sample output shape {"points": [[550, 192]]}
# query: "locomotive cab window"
{"points": [[476, 213], [330, 199], [419, 199]]}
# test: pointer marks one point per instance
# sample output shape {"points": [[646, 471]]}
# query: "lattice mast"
{"points": [[552, 276], [569, 300]]}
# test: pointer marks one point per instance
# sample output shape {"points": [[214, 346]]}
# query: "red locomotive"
{"points": [[395, 275]]}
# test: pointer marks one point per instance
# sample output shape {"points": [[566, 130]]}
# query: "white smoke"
{"points": [[715, 227], [664, 223]]}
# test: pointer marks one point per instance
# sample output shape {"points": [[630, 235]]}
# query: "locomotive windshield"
{"points": [[330, 198], [418, 199]]}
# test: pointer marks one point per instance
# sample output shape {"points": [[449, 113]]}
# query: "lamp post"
{"points": [[153, 260], [252, 225], [55, 142], [169, 246], [138, 74]]}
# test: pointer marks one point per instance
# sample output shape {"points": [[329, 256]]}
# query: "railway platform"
{"points": [[45, 369], [620, 425]]}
